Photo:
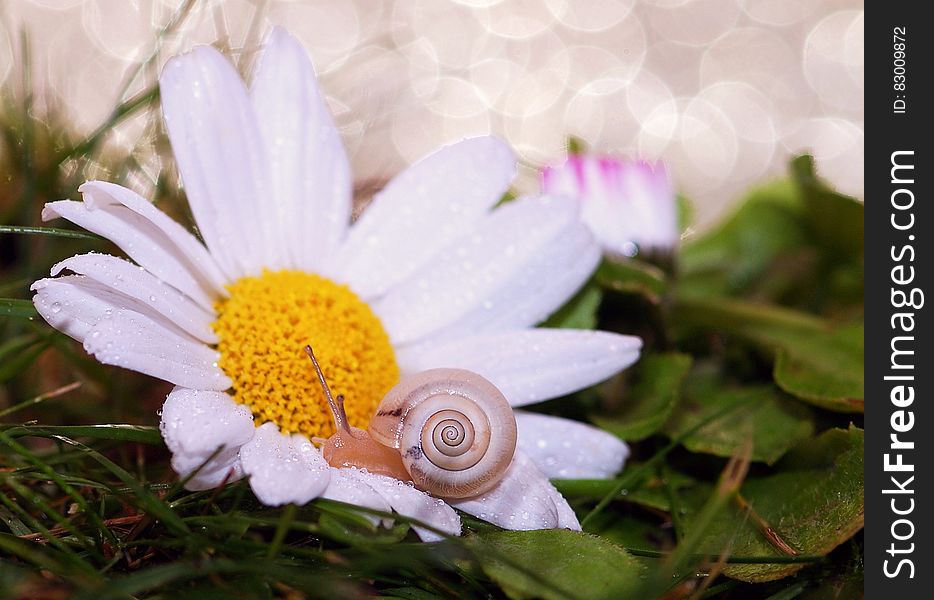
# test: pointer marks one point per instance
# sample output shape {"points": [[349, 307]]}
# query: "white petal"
{"points": [[283, 469], [474, 268], [74, 304], [565, 449], [139, 284], [196, 423], [542, 286], [128, 339], [531, 365], [423, 209], [567, 518], [184, 245], [345, 487], [311, 190], [140, 239], [216, 142], [523, 500], [223, 468], [412, 503]]}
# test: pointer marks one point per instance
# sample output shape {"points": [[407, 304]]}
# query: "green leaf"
{"points": [[793, 241], [685, 212], [814, 503], [774, 423], [651, 400], [637, 535], [827, 372], [11, 307], [836, 220], [817, 362], [840, 586], [650, 493], [558, 564], [580, 312], [632, 276], [733, 257], [654, 493]]}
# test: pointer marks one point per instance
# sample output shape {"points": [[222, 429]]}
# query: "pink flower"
{"points": [[629, 205]]}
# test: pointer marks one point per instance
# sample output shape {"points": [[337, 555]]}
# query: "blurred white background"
{"points": [[723, 90]]}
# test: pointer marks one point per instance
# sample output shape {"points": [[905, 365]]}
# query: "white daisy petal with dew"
{"points": [[629, 205], [430, 275]]}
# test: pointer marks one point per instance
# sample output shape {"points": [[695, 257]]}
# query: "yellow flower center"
{"points": [[263, 328]]}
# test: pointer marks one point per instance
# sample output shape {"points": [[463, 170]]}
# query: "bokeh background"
{"points": [[723, 90]]}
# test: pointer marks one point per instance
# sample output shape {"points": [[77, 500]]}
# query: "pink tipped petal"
{"points": [[139, 284], [565, 449], [345, 487], [627, 204], [283, 469], [182, 244], [474, 268], [145, 243], [411, 503], [565, 180], [423, 209], [195, 423], [523, 500], [128, 339], [311, 184], [220, 155], [531, 365]]}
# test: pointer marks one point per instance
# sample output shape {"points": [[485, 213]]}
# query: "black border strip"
{"points": [[896, 123]]}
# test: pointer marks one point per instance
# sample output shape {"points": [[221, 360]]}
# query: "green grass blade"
{"points": [[635, 477], [40, 398], [148, 501], [61, 483], [121, 112], [13, 307], [142, 434], [37, 555], [50, 231]]}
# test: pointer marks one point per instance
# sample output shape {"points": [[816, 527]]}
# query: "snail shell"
{"points": [[455, 431]]}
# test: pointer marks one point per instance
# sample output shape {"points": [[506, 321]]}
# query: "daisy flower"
{"points": [[429, 276], [630, 206]]}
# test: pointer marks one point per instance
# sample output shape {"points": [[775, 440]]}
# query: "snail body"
{"points": [[449, 431]]}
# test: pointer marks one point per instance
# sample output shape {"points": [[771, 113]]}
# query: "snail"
{"points": [[449, 431]]}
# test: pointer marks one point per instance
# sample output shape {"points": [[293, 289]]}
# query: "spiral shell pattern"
{"points": [[455, 431]]}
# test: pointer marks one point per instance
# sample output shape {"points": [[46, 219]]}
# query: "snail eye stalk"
{"points": [[337, 407]]}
